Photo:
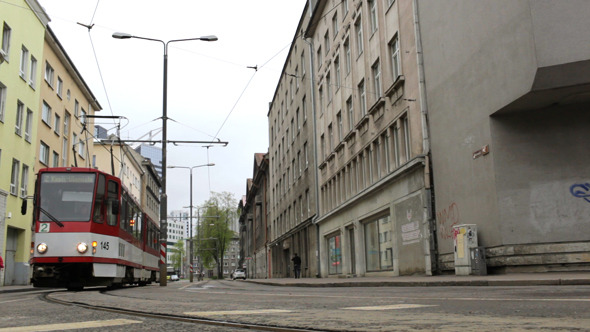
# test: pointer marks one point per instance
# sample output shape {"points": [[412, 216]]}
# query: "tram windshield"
{"points": [[66, 196]]}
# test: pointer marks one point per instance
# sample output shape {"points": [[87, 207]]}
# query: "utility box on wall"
{"points": [[465, 238]]}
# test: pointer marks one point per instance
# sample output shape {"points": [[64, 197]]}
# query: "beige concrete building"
{"points": [[375, 208], [292, 164], [508, 89], [65, 134]]}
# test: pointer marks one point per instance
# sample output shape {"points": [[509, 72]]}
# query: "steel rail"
{"points": [[179, 318]]}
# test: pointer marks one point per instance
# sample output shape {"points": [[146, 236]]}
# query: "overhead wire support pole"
{"points": [[163, 197]]}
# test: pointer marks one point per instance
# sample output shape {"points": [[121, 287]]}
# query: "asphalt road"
{"points": [[529, 308]]}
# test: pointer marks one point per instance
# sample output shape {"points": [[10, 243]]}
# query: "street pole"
{"points": [[191, 230], [164, 197], [191, 277]]}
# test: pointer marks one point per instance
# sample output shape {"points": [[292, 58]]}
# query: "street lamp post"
{"points": [[163, 198], [190, 168]]}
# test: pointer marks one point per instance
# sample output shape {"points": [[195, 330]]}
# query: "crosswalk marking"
{"points": [[390, 307], [237, 312], [71, 326]]}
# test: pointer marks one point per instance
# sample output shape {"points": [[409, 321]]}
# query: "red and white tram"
{"points": [[90, 232]]}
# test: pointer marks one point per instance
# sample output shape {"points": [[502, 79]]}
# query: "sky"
{"points": [[212, 94]]}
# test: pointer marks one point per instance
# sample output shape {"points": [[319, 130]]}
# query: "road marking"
{"points": [[390, 307], [237, 312], [71, 326]]}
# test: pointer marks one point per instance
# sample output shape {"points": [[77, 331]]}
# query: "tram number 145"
{"points": [[104, 245]]}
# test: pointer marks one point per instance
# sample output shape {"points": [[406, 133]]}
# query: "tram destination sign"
{"points": [[68, 177]]}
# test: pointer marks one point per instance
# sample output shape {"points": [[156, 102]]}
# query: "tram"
{"points": [[90, 232]]}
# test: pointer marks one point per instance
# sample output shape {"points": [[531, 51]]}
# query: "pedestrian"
{"points": [[296, 266], [1, 263]]}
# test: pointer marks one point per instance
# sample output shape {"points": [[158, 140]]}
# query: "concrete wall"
{"points": [[512, 77]]}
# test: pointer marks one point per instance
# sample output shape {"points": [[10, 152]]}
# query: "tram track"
{"points": [[174, 317]]}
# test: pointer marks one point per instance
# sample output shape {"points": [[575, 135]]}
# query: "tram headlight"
{"points": [[82, 247], [42, 248]]}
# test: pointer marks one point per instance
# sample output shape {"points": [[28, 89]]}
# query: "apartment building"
{"points": [[292, 176], [65, 133], [373, 162], [21, 53], [508, 89], [253, 209]]}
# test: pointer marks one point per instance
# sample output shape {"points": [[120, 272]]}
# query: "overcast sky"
{"points": [[208, 82]]}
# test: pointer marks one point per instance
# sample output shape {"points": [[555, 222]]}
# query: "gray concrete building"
{"points": [[292, 163], [253, 209], [508, 93], [375, 208]]}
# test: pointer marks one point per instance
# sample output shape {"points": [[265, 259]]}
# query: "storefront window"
{"points": [[378, 244], [335, 255]]}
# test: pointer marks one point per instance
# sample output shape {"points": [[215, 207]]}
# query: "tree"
{"points": [[177, 255], [215, 234]]}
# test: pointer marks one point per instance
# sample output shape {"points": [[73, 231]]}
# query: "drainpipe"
{"points": [[430, 202], [309, 42]]}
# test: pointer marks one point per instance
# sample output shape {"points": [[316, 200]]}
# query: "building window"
{"points": [[76, 108], [358, 28], [329, 87], [2, 101], [24, 181], [305, 155], [350, 111], [406, 137], [334, 255], [14, 177], [340, 131], [373, 12], [377, 78], [24, 62], [46, 113], [28, 125], [18, 127], [55, 159], [330, 138], [327, 41], [49, 73], [337, 71], [67, 124], [378, 244], [33, 73], [302, 64], [319, 55], [83, 116], [64, 152], [60, 86], [348, 56], [6, 33], [44, 154], [57, 124], [362, 98], [335, 24], [395, 58], [344, 4]]}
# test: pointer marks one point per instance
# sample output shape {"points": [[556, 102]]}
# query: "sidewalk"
{"points": [[512, 279]]}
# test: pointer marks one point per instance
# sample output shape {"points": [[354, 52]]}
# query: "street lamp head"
{"points": [[209, 38], [121, 35], [211, 164]]}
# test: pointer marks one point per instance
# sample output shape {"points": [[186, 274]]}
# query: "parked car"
{"points": [[239, 274], [174, 277]]}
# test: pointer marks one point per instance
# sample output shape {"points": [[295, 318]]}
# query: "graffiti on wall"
{"points": [[447, 218], [581, 190]]}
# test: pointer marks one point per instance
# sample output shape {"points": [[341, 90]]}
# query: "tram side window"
{"points": [[124, 212], [112, 198], [137, 227], [98, 215]]}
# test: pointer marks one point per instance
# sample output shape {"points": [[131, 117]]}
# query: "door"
{"points": [[11, 242]]}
